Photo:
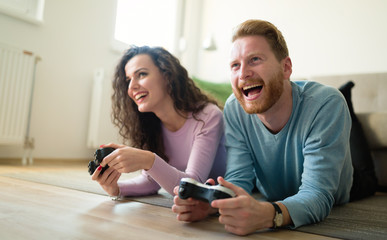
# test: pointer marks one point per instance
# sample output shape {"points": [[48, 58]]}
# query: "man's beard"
{"points": [[272, 92]]}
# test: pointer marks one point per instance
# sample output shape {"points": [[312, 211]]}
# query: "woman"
{"points": [[175, 130]]}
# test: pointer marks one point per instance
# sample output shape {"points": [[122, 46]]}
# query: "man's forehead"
{"points": [[249, 45]]}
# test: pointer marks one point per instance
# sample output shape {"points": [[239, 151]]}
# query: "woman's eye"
{"points": [[142, 74]]}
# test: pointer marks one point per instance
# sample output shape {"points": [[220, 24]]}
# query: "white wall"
{"points": [[325, 37], [74, 39]]}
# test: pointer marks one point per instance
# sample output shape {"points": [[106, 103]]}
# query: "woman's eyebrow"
{"points": [[135, 72], [140, 69]]}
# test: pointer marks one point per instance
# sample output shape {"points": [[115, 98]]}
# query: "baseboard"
{"points": [[45, 161]]}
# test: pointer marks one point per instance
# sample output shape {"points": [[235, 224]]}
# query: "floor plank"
{"points": [[30, 210]]}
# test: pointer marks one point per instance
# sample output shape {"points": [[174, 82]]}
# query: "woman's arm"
{"points": [[138, 186], [207, 138]]}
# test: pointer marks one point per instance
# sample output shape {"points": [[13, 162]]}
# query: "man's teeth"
{"points": [[138, 96], [251, 86]]}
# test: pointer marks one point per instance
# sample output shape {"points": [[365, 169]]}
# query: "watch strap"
{"points": [[276, 207]]}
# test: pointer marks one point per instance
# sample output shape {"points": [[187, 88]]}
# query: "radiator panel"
{"points": [[17, 69]]}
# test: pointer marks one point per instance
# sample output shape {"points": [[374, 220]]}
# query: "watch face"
{"points": [[278, 220]]}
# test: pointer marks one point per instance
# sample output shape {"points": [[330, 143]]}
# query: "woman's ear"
{"points": [[287, 67]]}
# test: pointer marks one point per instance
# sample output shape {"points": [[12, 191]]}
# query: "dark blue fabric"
{"points": [[364, 177]]}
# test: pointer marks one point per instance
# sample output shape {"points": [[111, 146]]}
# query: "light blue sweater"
{"points": [[307, 165]]}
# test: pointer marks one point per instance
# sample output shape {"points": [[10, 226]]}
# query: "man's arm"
{"points": [[327, 167]]}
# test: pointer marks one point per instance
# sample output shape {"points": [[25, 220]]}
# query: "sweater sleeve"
{"points": [[138, 186], [207, 137]]}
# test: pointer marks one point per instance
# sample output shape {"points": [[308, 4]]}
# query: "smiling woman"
{"points": [[174, 129], [148, 22]]}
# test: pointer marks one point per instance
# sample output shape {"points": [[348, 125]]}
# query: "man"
{"points": [[290, 140]]}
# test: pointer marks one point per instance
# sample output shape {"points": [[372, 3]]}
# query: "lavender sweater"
{"points": [[196, 150]]}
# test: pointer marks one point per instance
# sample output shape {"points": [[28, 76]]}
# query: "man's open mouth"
{"points": [[252, 90]]}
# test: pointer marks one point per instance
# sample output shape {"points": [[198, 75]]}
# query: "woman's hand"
{"points": [[107, 180], [126, 159]]}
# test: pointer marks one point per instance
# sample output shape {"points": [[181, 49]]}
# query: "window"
{"points": [[147, 22], [27, 10]]}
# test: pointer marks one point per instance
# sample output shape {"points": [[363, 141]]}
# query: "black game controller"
{"points": [[98, 157], [191, 188]]}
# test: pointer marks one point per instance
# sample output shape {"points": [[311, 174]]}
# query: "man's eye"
{"points": [[234, 65], [254, 59]]}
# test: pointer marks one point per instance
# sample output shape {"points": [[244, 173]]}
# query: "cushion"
{"points": [[364, 177]]}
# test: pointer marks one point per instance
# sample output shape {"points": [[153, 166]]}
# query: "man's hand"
{"points": [[191, 210], [240, 215], [243, 214]]}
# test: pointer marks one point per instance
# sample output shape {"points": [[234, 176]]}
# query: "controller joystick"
{"points": [[99, 155], [192, 188]]}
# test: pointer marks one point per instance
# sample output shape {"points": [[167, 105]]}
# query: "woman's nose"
{"points": [[133, 85]]}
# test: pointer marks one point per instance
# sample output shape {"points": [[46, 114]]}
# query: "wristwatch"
{"points": [[278, 218]]}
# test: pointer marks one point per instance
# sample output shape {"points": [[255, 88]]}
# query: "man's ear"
{"points": [[286, 64]]}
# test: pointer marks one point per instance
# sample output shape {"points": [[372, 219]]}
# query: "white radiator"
{"points": [[17, 76], [95, 109]]}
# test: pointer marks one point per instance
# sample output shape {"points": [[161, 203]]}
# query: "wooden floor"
{"points": [[30, 210]]}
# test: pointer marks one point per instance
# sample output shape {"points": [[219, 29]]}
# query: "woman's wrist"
{"points": [[150, 156], [117, 194]]}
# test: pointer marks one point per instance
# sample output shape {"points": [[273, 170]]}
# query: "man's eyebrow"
{"points": [[254, 54], [249, 55]]}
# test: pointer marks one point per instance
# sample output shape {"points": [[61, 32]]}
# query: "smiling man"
{"points": [[289, 140]]}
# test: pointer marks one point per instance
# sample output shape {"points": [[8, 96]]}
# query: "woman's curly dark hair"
{"points": [[143, 130]]}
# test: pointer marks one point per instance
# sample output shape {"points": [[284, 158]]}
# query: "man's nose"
{"points": [[245, 72]]}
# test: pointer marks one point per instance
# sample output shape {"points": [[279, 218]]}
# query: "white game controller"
{"points": [[192, 188]]}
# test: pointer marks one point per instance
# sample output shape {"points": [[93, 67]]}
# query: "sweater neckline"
{"points": [[181, 130]]}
